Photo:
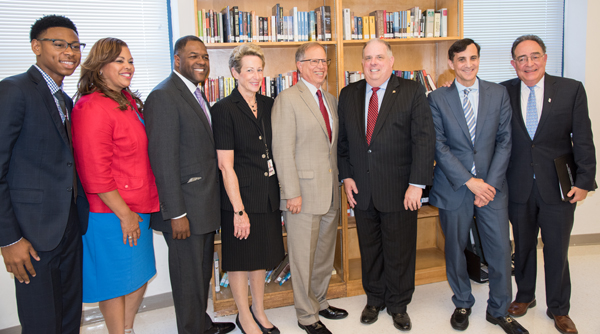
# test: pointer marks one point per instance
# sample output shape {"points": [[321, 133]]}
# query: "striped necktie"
{"points": [[470, 118]]}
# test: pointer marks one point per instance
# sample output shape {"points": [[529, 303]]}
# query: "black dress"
{"points": [[235, 128]]}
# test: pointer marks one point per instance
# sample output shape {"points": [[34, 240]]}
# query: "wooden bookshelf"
{"points": [[410, 54]]}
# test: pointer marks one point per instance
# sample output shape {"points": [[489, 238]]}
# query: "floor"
{"points": [[430, 309]]}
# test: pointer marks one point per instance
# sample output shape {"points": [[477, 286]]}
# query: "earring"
{"points": [[100, 72]]}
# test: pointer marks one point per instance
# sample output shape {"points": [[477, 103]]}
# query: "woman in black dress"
{"points": [[250, 216]]}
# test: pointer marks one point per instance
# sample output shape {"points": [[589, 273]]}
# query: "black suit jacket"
{"points": [[402, 145], [564, 128], [236, 129], [183, 158], [36, 164]]}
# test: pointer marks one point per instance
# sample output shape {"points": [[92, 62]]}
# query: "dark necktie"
{"points": [[372, 114], [324, 112], [67, 123]]}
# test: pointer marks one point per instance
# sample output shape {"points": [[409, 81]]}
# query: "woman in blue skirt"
{"points": [[111, 155]]}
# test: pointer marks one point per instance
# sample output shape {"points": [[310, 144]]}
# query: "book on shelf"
{"points": [[409, 23], [275, 272], [217, 280], [420, 76], [444, 22], [224, 279], [285, 278], [283, 272]]}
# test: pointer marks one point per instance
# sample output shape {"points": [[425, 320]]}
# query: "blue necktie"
{"points": [[531, 121], [470, 118]]}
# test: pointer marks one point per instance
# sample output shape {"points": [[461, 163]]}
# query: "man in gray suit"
{"points": [[472, 150], [305, 126], [183, 157]]}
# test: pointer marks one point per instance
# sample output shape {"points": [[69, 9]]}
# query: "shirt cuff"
{"points": [[417, 185], [21, 238], [179, 217]]}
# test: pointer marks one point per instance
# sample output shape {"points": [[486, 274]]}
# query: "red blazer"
{"points": [[111, 152]]}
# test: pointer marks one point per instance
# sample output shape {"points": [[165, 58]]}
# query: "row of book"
{"points": [[419, 75], [410, 23], [231, 25], [280, 274], [218, 88]]}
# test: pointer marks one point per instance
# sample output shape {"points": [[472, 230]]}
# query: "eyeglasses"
{"points": [[315, 62], [522, 60], [62, 45]]}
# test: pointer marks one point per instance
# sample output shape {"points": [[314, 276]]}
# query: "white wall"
{"points": [[581, 50]]}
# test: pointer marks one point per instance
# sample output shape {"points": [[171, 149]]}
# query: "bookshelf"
{"points": [[410, 54]]}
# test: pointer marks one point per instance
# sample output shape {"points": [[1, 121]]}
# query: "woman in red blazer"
{"points": [[111, 155]]}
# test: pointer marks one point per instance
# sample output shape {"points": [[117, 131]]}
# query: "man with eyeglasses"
{"points": [[305, 128], [385, 154], [550, 120], [40, 231]]}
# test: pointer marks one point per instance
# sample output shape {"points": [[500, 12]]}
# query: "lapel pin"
{"points": [[393, 91], [549, 100]]}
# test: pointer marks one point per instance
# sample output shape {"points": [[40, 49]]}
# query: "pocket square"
{"points": [[194, 179]]}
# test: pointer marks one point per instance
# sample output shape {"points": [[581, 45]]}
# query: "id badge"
{"points": [[271, 168]]}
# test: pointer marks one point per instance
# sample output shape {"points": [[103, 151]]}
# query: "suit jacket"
{"points": [[111, 153], [564, 128], [36, 164], [183, 157], [306, 158], [402, 143], [237, 129], [455, 153]]}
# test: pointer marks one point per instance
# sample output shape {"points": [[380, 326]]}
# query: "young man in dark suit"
{"points": [[38, 183], [550, 119], [385, 158], [472, 150], [184, 160]]}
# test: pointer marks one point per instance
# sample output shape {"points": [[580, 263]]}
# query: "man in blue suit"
{"points": [[472, 150], [38, 183]]}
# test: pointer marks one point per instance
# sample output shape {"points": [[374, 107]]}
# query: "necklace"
{"points": [[253, 106]]}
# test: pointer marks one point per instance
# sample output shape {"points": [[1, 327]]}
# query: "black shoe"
{"points": [[401, 320], [272, 330], [370, 314], [510, 325], [316, 328], [333, 313], [460, 318], [222, 327]]}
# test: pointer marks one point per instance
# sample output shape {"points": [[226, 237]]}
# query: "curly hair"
{"points": [[50, 21], [103, 52]]}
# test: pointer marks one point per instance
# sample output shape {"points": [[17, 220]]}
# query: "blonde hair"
{"points": [[247, 49]]}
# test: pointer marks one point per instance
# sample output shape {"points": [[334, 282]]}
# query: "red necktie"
{"points": [[324, 112], [372, 115]]}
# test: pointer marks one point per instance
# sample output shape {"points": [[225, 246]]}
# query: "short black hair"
{"points": [[50, 21], [182, 42], [460, 46], [527, 38]]}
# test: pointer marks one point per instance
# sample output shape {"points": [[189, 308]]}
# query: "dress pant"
{"points": [[388, 248], [493, 230], [190, 268], [311, 248], [556, 223], [51, 302]]}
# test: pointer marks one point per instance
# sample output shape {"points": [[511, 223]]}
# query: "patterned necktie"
{"points": [[324, 113], [470, 118], [531, 121], [67, 122], [198, 94], [372, 114]]}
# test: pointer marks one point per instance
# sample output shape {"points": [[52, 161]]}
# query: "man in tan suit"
{"points": [[305, 127]]}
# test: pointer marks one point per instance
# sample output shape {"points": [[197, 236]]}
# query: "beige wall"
{"points": [[586, 215]]}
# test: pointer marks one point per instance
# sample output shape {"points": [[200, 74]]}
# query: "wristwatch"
{"points": [[241, 213]]}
